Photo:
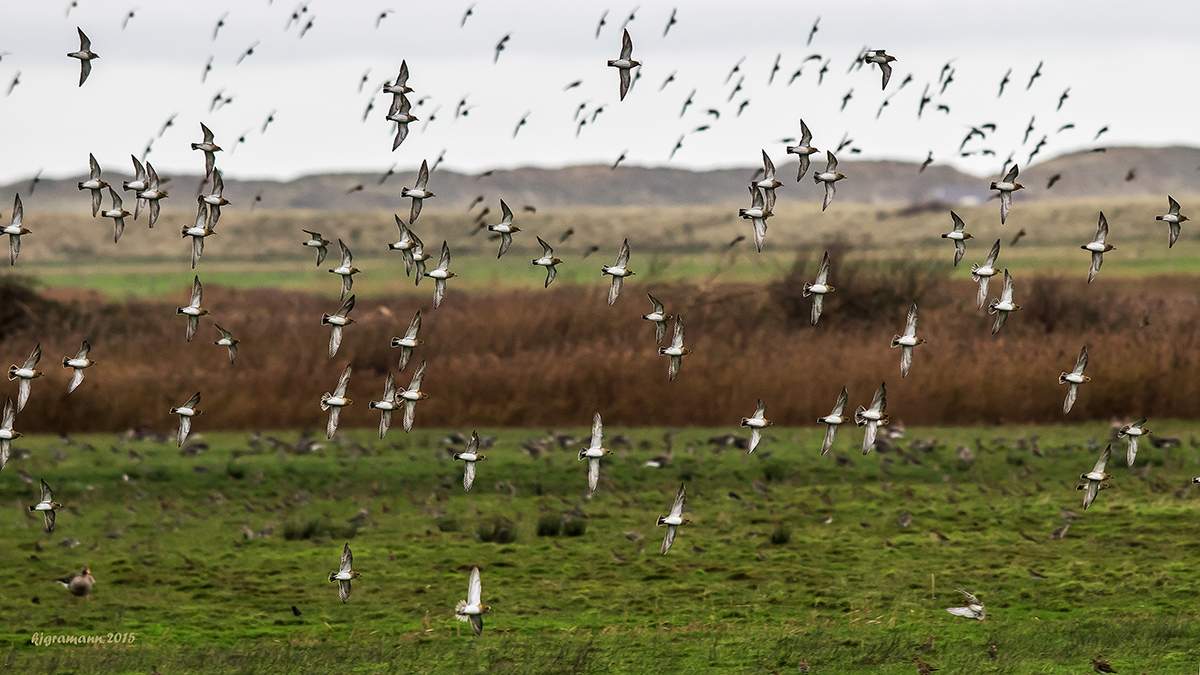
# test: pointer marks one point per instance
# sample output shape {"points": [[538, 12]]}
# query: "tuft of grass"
{"points": [[499, 530], [549, 525]]}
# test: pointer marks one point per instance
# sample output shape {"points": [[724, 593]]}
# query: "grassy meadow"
{"points": [[789, 555], [203, 553]]}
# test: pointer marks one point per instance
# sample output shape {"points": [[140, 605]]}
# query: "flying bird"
{"points": [[85, 56], [506, 229], [1073, 379], [335, 402], [1004, 305], [757, 214], [418, 193], [7, 434], [500, 47], [439, 275], [344, 574], [624, 63], [1172, 219], [14, 230], [228, 341], [548, 261], [47, 506], [818, 288], [618, 271], [676, 350], [958, 237], [315, 240], [659, 318], [873, 417], [833, 420], [1095, 478], [757, 422], [1098, 247], [1132, 432], [470, 455], [345, 270], [77, 364], [881, 58], [674, 519], [1006, 186], [802, 149], [670, 22], [337, 321], [907, 341], [594, 452], [472, 609], [980, 274], [1036, 74], [193, 310], [186, 412], [973, 610], [93, 183], [409, 342], [386, 405], [248, 52], [25, 374]]}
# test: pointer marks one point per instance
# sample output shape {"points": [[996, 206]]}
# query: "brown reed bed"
{"points": [[552, 357]]}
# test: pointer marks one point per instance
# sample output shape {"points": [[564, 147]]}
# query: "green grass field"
{"points": [[790, 555]]}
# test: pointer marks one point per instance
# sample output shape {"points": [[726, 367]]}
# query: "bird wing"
{"points": [[468, 476], [818, 303], [879, 403], [1132, 451], [346, 308], [197, 250], [414, 326], [626, 46], [1103, 461], [658, 306], [614, 289], [830, 162], [593, 473], [49, 515], [335, 339], [410, 415], [906, 354], [389, 387], [444, 261], [47, 495], [551, 272], [385, 422], [418, 378], [597, 431], [331, 425], [677, 337], [984, 282], [197, 292], [1093, 487], [760, 233], [439, 292], [830, 191], [1012, 174], [473, 443], [402, 77], [1006, 295], [343, 382], [830, 434], [623, 254], [823, 270], [506, 213], [1101, 229], [505, 242], [841, 403], [185, 427], [768, 167], [85, 44], [669, 538], [34, 357], [755, 437], [960, 249], [347, 559], [680, 498], [9, 415], [546, 250], [347, 256], [869, 436], [992, 255], [344, 589], [225, 335], [423, 175], [477, 623], [1081, 362], [193, 401], [910, 328], [208, 134], [761, 410], [805, 134], [1174, 206], [958, 222]]}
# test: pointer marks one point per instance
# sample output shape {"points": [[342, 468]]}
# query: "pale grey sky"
{"points": [[1127, 66]]}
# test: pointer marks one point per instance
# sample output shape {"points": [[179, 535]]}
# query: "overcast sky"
{"points": [[1128, 67]]}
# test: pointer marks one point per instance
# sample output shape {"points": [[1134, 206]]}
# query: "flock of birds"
{"points": [[148, 192]]}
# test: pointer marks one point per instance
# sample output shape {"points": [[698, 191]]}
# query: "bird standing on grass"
{"points": [[79, 584]]}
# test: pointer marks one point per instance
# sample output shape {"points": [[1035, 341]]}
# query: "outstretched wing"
{"points": [[593, 473], [1103, 461], [841, 403], [597, 431], [680, 498], [1081, 362], [343, 382], [475, 588], [669, 538]]}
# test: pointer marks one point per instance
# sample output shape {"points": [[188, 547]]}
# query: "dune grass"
{"points": [[849, 589]]}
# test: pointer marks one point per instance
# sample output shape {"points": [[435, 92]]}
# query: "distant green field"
{"points": [[790, 555]]}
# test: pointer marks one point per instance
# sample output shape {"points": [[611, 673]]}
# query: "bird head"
{"points": [[1087, 379], [1018, 186], [480, 458], [967, 235]]}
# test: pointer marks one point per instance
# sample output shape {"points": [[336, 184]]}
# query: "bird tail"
{"points": [[324, 319], [895, 341], [993, 186], [661, 519], [324, 398], [12, 373], [807, 292], [462, 604], [1062, 378]]}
